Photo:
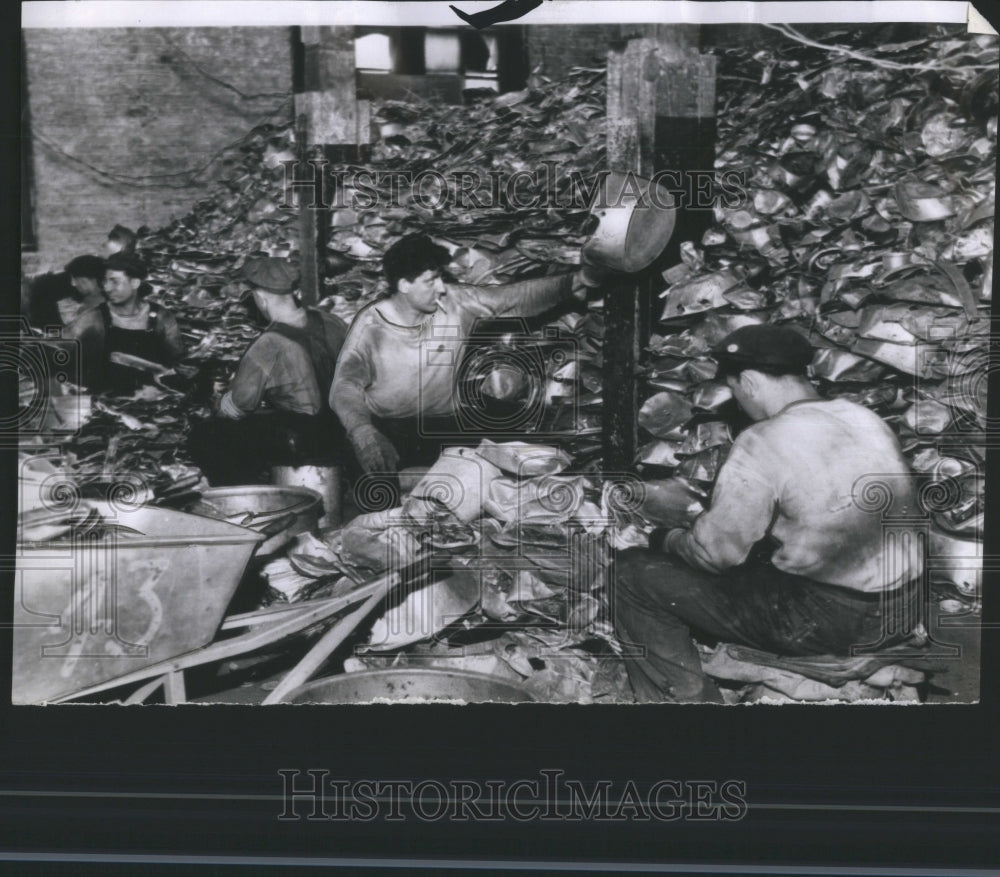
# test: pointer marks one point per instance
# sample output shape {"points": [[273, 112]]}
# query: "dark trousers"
{"points": [[659, 599], [231, 452], [419, 441]]}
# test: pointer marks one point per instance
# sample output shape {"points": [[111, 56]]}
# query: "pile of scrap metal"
{"points": [[516, 555], [868, 226]]}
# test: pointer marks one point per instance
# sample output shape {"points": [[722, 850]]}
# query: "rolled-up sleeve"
{"points": [[741, 512], [246, 392]]}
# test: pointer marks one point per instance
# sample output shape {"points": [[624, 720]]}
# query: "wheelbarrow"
{"points": [[261, 629], [104, 589], [266, 627]]}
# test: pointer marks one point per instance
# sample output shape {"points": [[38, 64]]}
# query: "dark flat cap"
{"points": [[271, 275], [772, 348], [130, 263]]}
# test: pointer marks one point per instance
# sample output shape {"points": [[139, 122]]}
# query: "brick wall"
{"points": [[133, 103], [556, 48]]}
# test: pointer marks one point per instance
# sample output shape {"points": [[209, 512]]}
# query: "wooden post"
{"points": [[328, 116], [622, 297], [660, 116], [684, 129]]}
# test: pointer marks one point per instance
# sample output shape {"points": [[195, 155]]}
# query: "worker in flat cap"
{"points": [[275, 411], [788, 558], [394, 388]]}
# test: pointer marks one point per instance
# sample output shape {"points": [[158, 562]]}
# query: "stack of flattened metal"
{"points": [[867, 225]]}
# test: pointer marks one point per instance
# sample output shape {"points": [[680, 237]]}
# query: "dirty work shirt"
{"points": [[278, 372], [795, 476], [393, 371]]}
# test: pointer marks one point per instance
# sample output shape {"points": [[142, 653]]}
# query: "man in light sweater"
{"points": [[788, 558], [394, 386]]}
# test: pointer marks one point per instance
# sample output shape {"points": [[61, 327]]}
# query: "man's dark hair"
{"points": [[86, 266], [124, 236], [410, 257], [44, 291]]}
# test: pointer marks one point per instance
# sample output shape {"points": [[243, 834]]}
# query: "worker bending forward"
{"points": [[275, 410], [787, 558]]}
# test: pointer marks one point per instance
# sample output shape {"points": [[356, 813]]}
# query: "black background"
{"points": [[824, 784]]}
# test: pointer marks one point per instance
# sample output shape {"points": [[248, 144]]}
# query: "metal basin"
{"points": [[636, 221], [411, 685], [278, 512]]}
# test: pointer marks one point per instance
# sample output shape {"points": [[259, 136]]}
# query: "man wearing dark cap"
{"points": [[396, 373], [121, 240], [133, 325], [275, 411], [83, 316], [787, 558]]}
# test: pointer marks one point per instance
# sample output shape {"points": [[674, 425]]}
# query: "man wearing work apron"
{"points": [[132, 325], [275, 411]]}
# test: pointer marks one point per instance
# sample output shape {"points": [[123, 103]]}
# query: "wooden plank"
{"points": [[629, 139], [445, 87], [660, 116], [257, 637], [174, 691], [327, 116], [685, 133]]}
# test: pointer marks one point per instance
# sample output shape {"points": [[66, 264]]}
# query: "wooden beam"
{"points": [[332, 122], [622, 297], [660, 116]]}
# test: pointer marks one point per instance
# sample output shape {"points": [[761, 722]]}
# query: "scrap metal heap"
{"points": [[867, 225]]}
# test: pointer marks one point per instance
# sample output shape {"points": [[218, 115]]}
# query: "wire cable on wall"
{"points": [[192, 176], [195, 65]]}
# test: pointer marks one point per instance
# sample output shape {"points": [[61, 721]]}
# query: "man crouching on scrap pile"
{"points": [[792, 480], [394, 386]]}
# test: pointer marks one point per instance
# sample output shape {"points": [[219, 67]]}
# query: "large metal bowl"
{"points": [[278, 512], [411, 685], [636, 219]]}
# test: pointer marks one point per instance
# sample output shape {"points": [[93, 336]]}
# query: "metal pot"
{"points": [[411, 684], [636, 221], [277, 512]]}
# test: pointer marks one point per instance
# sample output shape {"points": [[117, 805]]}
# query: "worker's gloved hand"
{"points": [[375, 452]]}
